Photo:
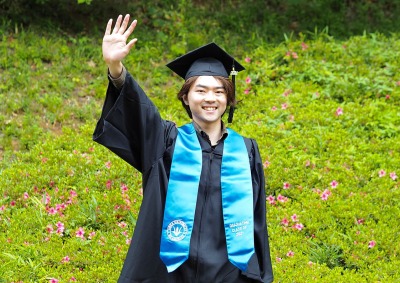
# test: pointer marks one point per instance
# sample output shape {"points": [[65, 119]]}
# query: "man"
{"points": [[202, 218]]}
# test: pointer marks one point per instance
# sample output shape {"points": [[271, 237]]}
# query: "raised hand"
{"points": [[115, 46]]}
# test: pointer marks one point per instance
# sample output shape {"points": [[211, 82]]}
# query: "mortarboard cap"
{"points": [[208, 60]]}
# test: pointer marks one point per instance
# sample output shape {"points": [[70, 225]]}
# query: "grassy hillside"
{"points": [[325, 113]]}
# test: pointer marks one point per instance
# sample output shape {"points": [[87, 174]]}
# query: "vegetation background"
{"points": [[321, 94]]}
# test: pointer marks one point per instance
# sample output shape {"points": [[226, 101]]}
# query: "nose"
{"points": [[210, 96]]}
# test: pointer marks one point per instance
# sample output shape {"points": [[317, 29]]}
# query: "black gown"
{"points": [[131, 127]]}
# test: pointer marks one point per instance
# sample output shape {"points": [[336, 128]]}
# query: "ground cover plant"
{"points": [[324, 111]]}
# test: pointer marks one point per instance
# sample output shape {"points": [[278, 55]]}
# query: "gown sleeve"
{"points": [[261, 242], [130, 125]]}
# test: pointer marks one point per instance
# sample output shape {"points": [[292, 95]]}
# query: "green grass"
{"points": [[52, 88]]}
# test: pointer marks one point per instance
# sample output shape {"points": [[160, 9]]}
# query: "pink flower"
{"points": [[387, 97], [287, 92], [278, 259], [360, 221], [61, 207], [294, 55], [266, 164], [334, 184], [122, 224], [285, 222], [393, 175], [73, 194], [12, 203], [286, 186], [108, 184], [60, 228], [72, 279], [247, 60], [26, 195], [49, 228], [128, 241], [124, 188], [108, 164], [246, 91], [284, 106], [51, 211], [282, 198], [381, 173], [325, 194], [298, 226], [304, 46], [274, 108], [91, 235], [47, 199], [371, 244], [308, 162], [65, 259], [398, 83], [53, 280], [80, 233], [248, 80], [339, 111], [290, 254], [294, 218], [271, 199], [2, 208]]}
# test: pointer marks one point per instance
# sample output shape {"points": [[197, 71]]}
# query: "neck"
{"points": [[213, 131]]}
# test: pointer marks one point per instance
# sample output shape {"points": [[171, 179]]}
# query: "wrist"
{"points": [[115, 69]]}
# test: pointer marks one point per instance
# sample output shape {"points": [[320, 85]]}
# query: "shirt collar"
{"points": [[198, 129]]}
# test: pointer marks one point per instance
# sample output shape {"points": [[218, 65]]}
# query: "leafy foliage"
{"points": [[324, 111], [263, 19]]}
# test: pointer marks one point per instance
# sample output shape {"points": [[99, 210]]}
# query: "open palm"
{"points": [[115, 46]]}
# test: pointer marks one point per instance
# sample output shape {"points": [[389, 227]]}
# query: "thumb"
{"points": [[131, 43]]}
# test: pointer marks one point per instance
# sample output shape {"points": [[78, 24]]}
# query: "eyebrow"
{"points": [[204, 86]]}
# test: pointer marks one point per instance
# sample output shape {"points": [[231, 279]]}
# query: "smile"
{"points": [[209, 108]]}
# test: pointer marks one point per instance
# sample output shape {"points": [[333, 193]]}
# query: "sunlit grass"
{"points": [[325, 114]]}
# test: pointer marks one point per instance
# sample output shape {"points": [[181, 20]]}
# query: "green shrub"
{"points": [[325, 113]]}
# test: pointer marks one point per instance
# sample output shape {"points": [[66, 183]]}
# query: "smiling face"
{"points": [[207, 100]]}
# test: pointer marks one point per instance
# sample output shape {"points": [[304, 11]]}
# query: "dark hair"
{"points": [[226, 83]]}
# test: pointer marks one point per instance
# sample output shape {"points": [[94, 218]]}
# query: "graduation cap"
{"points": [[208, 60]]}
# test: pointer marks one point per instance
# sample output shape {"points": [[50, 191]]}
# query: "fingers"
{"points": [[117, 24], [124, 24], [108, 28], [131, 28]]}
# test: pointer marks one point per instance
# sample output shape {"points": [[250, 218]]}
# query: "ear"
{"points": [[185, 99]]}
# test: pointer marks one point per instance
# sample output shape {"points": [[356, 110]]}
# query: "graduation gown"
{"points": [[131, 127]]}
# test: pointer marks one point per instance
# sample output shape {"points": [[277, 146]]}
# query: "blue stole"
{"points": [[180, 205]]}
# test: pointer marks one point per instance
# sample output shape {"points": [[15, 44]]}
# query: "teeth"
{"points": [[209, 108]]}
